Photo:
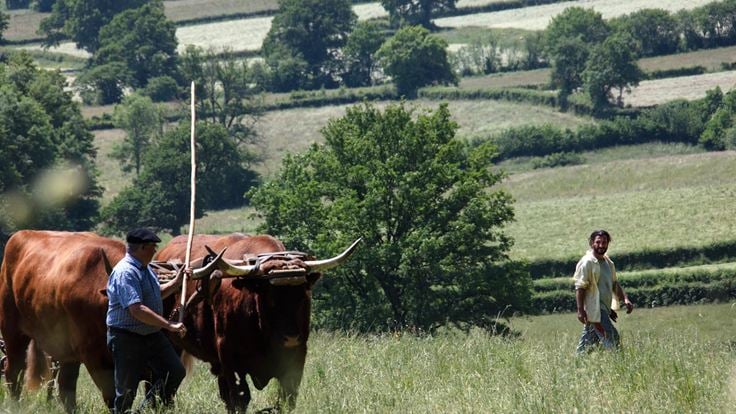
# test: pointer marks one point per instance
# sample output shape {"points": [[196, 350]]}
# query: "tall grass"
{"points": [[674, 360]]}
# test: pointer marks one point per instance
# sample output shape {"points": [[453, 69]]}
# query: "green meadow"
{"points": [[674, 360]]}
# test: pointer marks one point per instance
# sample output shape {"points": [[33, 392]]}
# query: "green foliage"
{"points": [[587, 25], [359, 54], [160, 196], [558, 159], [655, 31], [161, 89], [44, 139], [718, 133], [414, 58], [103, 84], [433, 253], [611, 65], [226, 91], [142, 121], [4, 21], [412, 12], [303, 43], [142, 40], [43, 6], [82, 20], [17, 4]]}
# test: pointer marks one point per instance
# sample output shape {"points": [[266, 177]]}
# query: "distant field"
{"points": [[23, 25], [236, 35], [658, 203], [710, 59], [293, 130], [538, 17], [111, 177], [687, 87], [181, 10]]}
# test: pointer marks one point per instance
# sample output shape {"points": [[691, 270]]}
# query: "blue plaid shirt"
{"points": [[130, 283]]}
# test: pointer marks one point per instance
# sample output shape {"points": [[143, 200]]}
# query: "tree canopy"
{"points": [[47, 171], [416, 12], [434, 251], [159, 197], [81, 20], [142, 121], [304, 40], [414, 58], [611, 65]]}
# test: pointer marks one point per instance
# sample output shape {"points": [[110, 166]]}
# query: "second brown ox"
{"points": [[250, 325]]}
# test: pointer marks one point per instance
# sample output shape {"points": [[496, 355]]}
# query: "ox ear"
{"points": [[312, 278]]}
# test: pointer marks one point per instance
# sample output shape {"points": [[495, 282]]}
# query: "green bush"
{"points": [[161, 89]]}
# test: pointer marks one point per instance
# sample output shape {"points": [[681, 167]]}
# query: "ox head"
{"points": [[278, 287]]}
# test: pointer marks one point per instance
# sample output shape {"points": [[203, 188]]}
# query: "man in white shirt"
{"points": [[595, 287]]}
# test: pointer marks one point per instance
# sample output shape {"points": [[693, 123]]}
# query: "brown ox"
{"points": [[49, 284], [250, 326], [50, 292]]}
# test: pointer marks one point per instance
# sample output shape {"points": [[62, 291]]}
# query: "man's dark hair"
{"points": [[597, 233]]}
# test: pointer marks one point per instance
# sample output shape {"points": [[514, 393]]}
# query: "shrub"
{"points": [[161, 89]]}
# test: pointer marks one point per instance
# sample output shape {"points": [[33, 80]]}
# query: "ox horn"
{"points": [[320, 265], [211, 266]]}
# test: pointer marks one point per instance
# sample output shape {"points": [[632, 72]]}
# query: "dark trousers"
{"points": [[135, 357]]}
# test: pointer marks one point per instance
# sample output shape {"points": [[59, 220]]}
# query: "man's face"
{"points": [[147, 251], [599, 245]]}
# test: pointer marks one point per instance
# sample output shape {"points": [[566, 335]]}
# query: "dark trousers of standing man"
{"points": [[136, 355]]}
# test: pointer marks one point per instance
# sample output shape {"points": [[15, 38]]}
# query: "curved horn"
{"points": [[320, 265], [211, 266]]}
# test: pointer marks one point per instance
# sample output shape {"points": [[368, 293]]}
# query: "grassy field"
{"points": [[537, 17], [674, 360], [644, 203], [293, 130], [687, 87]]}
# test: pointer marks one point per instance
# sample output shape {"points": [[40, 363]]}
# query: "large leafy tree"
{"points": [[47, 170], [4, 22], [414, 58], [567, 43], [416, 12], [302, 46], [434, 250], [81, 20], [159, 197], [141, 120], [611, 65], [143, 40]]}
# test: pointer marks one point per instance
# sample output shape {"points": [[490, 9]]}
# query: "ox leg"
{"points": [[289, 389], [105, 381], [234, 391], [67, 383], [16, 347]]}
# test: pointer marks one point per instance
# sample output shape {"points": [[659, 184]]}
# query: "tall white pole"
{"points": [[191, 208]]}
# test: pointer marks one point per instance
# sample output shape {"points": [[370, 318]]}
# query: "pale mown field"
{"points": [[674, 360], [293, 130], [655, 203], [538, 17], [659, 91]]}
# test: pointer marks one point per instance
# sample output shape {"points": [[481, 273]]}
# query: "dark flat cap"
{"points": [[142, 235]]}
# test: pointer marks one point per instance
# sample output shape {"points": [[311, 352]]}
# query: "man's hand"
{"points": [[629, 305], [177, 327], [582, 316]]}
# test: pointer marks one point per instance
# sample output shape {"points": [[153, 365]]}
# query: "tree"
{"points": [[308, 34], [719, 129], [47, 171], [4, 22], [359, 54], [414, 58], [81, 20], [416, 12], [434, 252], [103, 84], [655, 30], [143, 40], [141, 120], [226, 91], [159, 197], [567, 43], [611, 65]]}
